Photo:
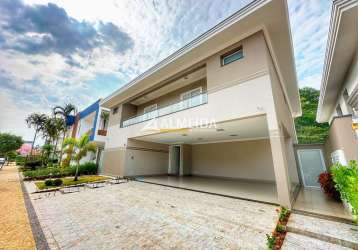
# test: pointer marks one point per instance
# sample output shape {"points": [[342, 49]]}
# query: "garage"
{"points": [[233, 159]]}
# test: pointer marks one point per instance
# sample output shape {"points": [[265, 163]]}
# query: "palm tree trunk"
{"points": [[61, 153], [33, 142], [54, 150], [32, 145], [76, 174]]}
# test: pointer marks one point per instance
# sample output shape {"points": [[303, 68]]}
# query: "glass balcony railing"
{"points": [[194, 101]]}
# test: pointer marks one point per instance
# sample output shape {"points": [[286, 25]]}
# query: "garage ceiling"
{"points": [[243, 129]]}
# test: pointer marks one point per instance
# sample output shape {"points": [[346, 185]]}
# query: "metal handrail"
{"points": [[202, 101]]}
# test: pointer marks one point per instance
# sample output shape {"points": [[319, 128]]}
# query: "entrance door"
{"points": [[311, 165], [174, 160]]}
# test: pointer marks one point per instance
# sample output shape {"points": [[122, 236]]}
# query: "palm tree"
{"points": [[37, 121], [49, 130], [59, 126], [105, 118], [79, 147], [64, 112]]}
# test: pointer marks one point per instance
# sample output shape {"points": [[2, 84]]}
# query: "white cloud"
{"points": [[309, 23], [158, 28]]}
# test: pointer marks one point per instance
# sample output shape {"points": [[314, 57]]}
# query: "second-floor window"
{"points": [[232, 56], [150, 108], [115, 111]]}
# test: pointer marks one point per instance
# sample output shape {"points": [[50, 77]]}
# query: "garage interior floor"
{"points": [[245, 189]]}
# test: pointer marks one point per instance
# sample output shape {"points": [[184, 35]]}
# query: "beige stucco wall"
{"points": [[186, 159], [254, 60], [246, 159], [113, 161], [133, 143], [285, 121], [146, 162], [342, 136], [115, 119]]}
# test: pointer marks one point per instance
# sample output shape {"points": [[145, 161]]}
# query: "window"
{"points": [[115, 111], [232, 56], [191, 98], [191, 93], [150, 108]]}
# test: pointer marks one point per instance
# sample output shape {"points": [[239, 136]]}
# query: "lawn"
{"points": [[67, 181]]}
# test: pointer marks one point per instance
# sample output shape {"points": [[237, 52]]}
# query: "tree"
{"points": [[64, 112], [37, 121], [51, 130], [105, 118], [46, 152], [60, 126], [308, 130], [9, 143], [79, 147]]}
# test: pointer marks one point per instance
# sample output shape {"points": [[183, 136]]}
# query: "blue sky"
{"points": [[58, 51]]}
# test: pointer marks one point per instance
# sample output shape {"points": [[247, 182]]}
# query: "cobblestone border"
{"points": [[38, 234]]}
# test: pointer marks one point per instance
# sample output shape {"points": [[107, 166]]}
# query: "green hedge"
{"points": [[346, 179], [56, 172], [20, 160]]}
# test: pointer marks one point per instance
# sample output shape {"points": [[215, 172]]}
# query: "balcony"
{"points": [[102, 132], [188, 103]]}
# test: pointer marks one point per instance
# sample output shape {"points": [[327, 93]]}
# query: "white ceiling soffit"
{"points": [[341, 48], [268, 15], [244, 129]]}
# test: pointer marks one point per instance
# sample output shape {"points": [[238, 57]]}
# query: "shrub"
{"points": [[284, 213], [49, 183], [56, 172], [280, 228], [271, 241], [33, 163], [325, 179], [346, 179], [57, 182], [87, 168], [20, 160], [11, 156]]}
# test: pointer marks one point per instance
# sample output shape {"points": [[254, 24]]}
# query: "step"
{"points": [[298, 242], [334, 232]]}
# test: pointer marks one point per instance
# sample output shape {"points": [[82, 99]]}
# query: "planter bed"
{"points": [[68, 181]]}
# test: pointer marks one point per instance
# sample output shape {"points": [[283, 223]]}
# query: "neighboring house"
{"points": [[238, 81], [90, 121], [338, 103]]}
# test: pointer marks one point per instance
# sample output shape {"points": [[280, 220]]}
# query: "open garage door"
{"points": [[233, 159]]}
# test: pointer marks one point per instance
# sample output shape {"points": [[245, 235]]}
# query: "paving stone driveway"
{"points": [[138, 215]]}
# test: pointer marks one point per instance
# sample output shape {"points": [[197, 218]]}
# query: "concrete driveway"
{"points": [[141, 215]]}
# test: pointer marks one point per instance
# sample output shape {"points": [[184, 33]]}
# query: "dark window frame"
{"points": [[229, 53], [115, 110]]}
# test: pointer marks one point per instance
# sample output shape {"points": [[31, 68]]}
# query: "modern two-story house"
{"points": [[217, 115], [94, 122], [338, 102]]}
